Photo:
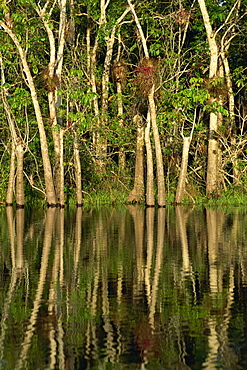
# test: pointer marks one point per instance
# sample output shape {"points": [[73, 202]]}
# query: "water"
{"points": [[123, 288]]}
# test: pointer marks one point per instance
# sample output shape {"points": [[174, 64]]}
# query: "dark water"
{"points": [[123, 289]]}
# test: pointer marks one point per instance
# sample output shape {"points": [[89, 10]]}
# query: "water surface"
{"points": [[128, 288]]}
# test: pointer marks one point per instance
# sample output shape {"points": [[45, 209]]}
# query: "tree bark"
{"points": [[61, 167], [231, 108], [120, 88], [212, 166], [11, 182], [158, 151], [150, 201], [19, 176], [78, 174], [16, 150], [183, 170], [137, 193]]}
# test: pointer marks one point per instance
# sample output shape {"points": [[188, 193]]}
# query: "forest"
{"points": [[122, 101]]}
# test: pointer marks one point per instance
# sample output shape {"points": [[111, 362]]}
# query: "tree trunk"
{"points": [[158, 151], [120, 84], [19, 176], [212, 167], [150, 202], [121, 155], [231, 108], [11, 182], [17, 150], [61, 167], [78, 176], [137, 193], [183, 170]]}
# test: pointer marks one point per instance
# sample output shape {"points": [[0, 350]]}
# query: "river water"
{"points": [[127, 288]]}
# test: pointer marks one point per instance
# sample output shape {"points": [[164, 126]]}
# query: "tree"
{"points": [[148, 66], [218, 71], [17, 151], [52, 75], [50, 190]]}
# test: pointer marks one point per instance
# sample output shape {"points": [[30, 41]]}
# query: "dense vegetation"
{"points": [[108, 98]]}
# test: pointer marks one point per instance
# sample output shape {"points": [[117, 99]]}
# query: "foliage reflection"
{"points": [[136, 287]]}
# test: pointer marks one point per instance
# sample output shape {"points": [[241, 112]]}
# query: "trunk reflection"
{"points": [[144, 288]]}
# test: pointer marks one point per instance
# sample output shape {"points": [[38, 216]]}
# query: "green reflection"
{"points": [[109, 288]]}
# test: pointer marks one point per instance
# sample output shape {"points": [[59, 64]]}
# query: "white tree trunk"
{"points": [[11, 182], [183, 170], [19, 176], [158, 151], [78, 172], [212, 167], [150, 201], [137, 193], [61, 172]]}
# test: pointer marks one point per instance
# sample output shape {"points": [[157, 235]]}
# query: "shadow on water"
{"points": [[129, 288]]}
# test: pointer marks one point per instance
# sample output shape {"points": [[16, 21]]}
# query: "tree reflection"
{"points": [[218, 325], [146, 288], [16, 237], [25, 345]]}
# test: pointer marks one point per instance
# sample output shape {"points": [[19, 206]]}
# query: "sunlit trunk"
{"points": [[11, 182], [17, 150], [212, 166], [92, 63], [158, 151], [102, 142], [121, 155], [150, 201], [137, 193], [78, 171], [61, 167], [19, 176], [183, 170], [231, 108]]}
